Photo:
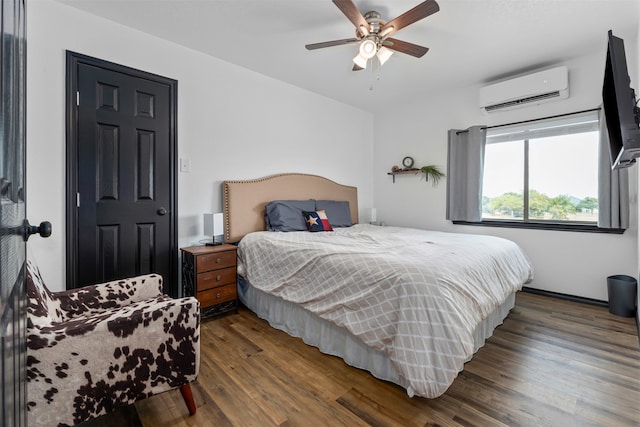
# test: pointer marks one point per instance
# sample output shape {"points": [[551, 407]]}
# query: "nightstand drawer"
{"points": [[214, 278], [217, 295], [209, 274], [215, 261]]}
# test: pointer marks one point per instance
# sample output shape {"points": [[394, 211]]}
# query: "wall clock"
{"points": [[407, 162]]}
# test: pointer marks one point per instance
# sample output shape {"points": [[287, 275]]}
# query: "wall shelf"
{"points": [[404, 172]]}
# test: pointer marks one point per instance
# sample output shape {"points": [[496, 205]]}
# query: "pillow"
{"points": [[338, 212], [317, 221], [286, 215]]}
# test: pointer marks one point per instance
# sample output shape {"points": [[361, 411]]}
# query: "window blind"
{"points": [[565, 125]]}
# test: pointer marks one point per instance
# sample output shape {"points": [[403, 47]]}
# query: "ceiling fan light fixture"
{"points": [[368, 49], [384, 54], [372, 32], [360, 61]]}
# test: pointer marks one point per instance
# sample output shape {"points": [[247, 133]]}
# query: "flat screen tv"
{"points": [[620, 110]]}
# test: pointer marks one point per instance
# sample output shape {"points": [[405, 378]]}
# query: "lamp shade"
{"points": [[360, 61], [368, 49], [384, 54], [213, 224]]}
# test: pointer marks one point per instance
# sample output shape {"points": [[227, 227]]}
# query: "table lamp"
{"points": [[214, 227]]}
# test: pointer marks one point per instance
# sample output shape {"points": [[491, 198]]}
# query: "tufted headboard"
{"points": [[244, 201]]}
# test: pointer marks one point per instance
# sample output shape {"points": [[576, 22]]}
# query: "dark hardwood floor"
{"points": [[552, 363]]}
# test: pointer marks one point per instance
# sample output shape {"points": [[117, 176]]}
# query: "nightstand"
{"points": [[209, 274]]}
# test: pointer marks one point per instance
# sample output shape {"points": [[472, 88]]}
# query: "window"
{"points": [[543, 172]]}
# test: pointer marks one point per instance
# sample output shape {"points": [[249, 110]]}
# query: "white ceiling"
{"points": [[470, 41]]}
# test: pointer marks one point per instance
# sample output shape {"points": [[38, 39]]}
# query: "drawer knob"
{"points": [[218, 260], [218, 277], [218, 295]]}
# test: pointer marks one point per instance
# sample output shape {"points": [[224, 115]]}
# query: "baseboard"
{"points": [[582, 300], [638, 323], [567, 297]]}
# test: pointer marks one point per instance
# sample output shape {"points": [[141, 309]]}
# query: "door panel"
{"points": [[122, 156], [107, 162], [12, 214], [145, 184]]}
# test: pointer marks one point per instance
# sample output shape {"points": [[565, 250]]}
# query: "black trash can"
{"points": [[622, 295]]}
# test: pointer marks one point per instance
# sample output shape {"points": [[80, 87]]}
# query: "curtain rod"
{"points": [[533, 120]]}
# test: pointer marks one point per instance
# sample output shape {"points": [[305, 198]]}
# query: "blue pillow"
{"points": [[338, 212], [317, 221], [286, 215]]}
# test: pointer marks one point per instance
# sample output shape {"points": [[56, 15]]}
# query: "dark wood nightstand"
{"points": [[209, 274]]}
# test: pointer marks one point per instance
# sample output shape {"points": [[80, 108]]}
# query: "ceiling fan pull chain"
{"points": [[373, 72]]}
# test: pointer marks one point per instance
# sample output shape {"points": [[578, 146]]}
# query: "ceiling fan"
{"points": [[372, 33]]}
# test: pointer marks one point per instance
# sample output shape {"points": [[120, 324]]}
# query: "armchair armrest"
{"points": [[97, 298]]}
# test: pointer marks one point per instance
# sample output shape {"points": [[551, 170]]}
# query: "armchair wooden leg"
{"points": [[188, 398]]}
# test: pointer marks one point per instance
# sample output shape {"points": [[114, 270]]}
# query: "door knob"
{"points": [[162, 211], [44, 229]]}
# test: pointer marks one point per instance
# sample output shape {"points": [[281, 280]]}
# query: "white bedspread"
{"points": [[416, 295]]}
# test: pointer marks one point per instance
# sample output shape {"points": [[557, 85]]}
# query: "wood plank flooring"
{"points": [[552, 363]]}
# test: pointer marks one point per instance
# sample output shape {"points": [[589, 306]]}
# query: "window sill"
{"points": [[554, 226]]}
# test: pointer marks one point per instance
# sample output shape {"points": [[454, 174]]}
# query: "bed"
{"points": [[410, 306]]}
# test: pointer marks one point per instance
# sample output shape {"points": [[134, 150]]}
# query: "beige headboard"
{"points": [[244, 201]]}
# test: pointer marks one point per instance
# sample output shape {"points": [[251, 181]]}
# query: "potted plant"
{"points": [[432, 171]]}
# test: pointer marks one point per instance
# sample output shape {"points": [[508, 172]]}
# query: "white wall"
{"points": [[566, 262], [232, 124]]}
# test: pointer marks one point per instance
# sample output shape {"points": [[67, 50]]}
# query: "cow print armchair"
{"points": [[93, 349]]}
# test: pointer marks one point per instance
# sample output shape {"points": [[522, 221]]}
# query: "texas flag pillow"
{"points": [[317, 221]]}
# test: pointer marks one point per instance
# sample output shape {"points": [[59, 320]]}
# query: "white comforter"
{"points": [[416, 295]]}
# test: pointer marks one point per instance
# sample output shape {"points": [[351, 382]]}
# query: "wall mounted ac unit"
{"points": [[532, 89]]}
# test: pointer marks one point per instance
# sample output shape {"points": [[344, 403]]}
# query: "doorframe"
{"points": [[73, 60]]}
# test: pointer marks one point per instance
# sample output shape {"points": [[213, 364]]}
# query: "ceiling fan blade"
{"points": [[419, 12], [331, 43], [405, 47], [351, 12], [356, 67]]}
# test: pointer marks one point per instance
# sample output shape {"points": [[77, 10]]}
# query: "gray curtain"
{"points": [[613, 186], [465, 165]]}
